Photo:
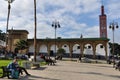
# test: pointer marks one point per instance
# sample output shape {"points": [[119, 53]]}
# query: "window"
{"points": [[89, 47], [101, 46], [78, 47], [65, 46]]}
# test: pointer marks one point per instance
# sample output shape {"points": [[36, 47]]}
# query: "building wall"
{"points": [[14, 36], [87, 46]]}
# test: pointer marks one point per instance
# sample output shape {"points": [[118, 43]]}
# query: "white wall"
{"points": [[66, 48], [43, 49], [99, 51], [31, 49]]}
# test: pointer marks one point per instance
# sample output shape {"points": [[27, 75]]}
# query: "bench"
{"points": [[5, 72]]}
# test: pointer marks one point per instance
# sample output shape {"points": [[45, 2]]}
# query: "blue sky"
{"points": [[76, 17]]}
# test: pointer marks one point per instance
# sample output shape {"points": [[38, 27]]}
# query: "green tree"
{"points": [[60, 52], [2, 35], [116, 48], [21, 45]]}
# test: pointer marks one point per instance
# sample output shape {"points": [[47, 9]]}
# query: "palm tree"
{"points": [[9, 7], [35, 22]]}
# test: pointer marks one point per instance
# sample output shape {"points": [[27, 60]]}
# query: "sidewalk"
{"points": [[71, 70]]}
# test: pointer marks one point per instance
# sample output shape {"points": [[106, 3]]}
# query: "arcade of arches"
{"points": [[72, 46]]}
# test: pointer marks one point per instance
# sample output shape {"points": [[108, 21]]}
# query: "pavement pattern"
{"points": [[71, 70]]}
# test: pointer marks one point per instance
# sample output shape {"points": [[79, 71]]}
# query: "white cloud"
{"points": [[69, 13], [113, 9], [92, 31]]}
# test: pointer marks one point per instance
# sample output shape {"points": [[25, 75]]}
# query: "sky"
{"points": [[75, 17]]}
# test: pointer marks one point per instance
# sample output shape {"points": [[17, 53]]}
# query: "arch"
{"points": [[100, 50], [52, 48], [76, 49], [66, 48], [43, 49], [31, 49], [88, 50]]}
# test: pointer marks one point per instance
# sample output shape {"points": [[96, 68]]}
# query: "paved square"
{"points": [[68, 70]]}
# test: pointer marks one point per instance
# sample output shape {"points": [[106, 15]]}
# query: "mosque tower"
{"points": [[103, 23]]}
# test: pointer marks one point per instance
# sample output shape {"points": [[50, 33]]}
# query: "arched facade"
{"points": [[85, 46], [43, 49], [73, 46]]}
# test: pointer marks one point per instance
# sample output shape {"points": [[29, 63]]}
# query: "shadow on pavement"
{"points": [[90, 73], [115, 76], [106, 66], [33, 77], [41, 68]]}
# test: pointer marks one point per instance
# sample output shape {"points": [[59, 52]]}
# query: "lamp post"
{"points": [[35, 28], [9, 7], [55, 25], [113, 26]]}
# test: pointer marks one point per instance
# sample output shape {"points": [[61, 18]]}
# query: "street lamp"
{"points": [[55, 25], [113, 26], [9, 7]]}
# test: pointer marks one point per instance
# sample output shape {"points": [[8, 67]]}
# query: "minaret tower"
{"points": [[103, 23]]}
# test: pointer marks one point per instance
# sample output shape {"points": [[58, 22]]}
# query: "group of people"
{"points": [[47, 59], [16, 69], [115, 61], [117, 65]]}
